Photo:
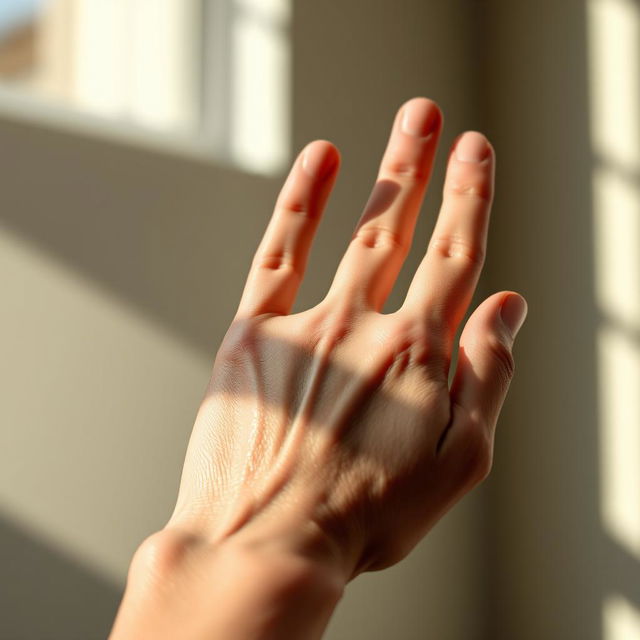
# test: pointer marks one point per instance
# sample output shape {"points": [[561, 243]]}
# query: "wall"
{"points": [[120, 269], [554, 565]]}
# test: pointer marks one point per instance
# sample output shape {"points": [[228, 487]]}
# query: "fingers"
{"points": [[485, 368], [280, 260], [444, 282], [383, 234]]}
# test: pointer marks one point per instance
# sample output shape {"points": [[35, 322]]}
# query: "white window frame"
{"points": [[218, 138]]}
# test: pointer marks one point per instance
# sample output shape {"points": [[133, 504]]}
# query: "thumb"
{"points": [[485, 362]]}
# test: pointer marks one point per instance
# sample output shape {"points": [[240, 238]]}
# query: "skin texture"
{"points": [[329, 442]]}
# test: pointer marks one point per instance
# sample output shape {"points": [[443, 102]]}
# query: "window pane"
{"points": [[131, 60]]}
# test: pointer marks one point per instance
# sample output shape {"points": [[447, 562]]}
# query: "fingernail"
{"points": [[317, 162], [472, 147], [419, 118], [513, 312]]}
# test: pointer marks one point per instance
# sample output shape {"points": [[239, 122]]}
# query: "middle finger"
{"points": [[384, 232]]}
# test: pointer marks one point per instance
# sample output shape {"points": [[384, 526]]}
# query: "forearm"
{"points": [[185, 588]]}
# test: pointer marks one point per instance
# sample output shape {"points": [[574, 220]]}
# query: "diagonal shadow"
{"points": [[624, 574], [165, 240], [45, 595], [387, 424], [549, 562]]}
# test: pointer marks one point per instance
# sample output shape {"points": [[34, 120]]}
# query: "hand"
{"points": [[334, 429], [330, 438]]}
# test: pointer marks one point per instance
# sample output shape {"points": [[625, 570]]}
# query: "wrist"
{"points": [[184, 586]]}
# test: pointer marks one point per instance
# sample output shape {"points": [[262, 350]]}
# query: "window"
{"points": [[210, 77]]}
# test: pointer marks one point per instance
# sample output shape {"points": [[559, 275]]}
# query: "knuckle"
{"points": [[336, 326], [376, 237], [469, 181], [415, 346], [457, 247], [297, 208], [160, 553], [411, 171], [429, 355], [472, 190], [437, 324], [282, 261], [477, 457], [403, 329], [504, 361]]}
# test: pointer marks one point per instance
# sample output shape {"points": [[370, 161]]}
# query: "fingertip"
{"points": [[428, 102], [486, 318], [513, 312], [320, 159], [472, 147], [322, 145], [472, 134], [419, 117]]}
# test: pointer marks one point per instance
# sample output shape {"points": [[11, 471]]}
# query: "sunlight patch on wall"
{"points": [[614, 68], [619, 361], [616, 205], [137, 60], [621, 620], [614, 30], [260, 99]]}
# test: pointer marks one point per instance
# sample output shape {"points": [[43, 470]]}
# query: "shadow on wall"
{"points": [[172, 237], [556, 565], [51, 597]]}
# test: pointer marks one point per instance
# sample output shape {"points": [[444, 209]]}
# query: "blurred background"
{"points": [[142, 145]]}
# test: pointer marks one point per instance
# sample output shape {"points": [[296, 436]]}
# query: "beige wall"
{"points": [[555, 565], [120, 269]]}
